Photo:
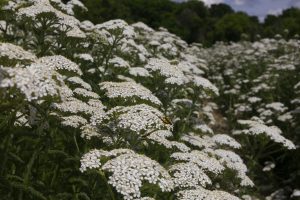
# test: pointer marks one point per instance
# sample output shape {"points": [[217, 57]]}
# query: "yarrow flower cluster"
{"points": [[136, 104], [203, 194], [60, 63], [40, 7], [273, 132], [140, 119], [34, 81], [171, 73], [13, 52], [128, 170], [129, 91]]}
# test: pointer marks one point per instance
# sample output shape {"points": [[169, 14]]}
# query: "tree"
{"points": [[219, 10], [232, 26]]}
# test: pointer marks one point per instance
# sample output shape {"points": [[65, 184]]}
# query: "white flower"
{"points": [[118, 62], [204, 84], [142, 27], [34, 81], [58, 63], [201, 159], [163, 68], [78, 81], [85, 57], [268, 166], [140, 119], [85, 93], [197, 141], [277, 106], [190, 69], [13, 52], [129, 170], [74, 121], [139, 72], [202, 194], [234, 162], [117, 25], [203, 128], [65, 21], [91, 160], [223, 139], [273, 132], [296, 193], [93, 108], [161, 136], [129, 92], [188, 175]]}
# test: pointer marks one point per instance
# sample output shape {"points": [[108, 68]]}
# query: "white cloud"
{"points": [[210, 2]]}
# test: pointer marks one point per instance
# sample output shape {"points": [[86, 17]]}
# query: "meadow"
{"points": [[118, 111]]}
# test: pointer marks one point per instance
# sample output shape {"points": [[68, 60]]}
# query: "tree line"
{"points": [[194, 21]]}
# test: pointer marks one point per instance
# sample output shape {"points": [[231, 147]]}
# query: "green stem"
{"points": [[76, 144], [6, 144], [111, 193]]}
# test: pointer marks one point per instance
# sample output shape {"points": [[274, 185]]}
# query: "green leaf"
{"points": [[28, 189]]}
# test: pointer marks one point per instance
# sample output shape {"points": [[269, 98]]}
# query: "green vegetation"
{"points": [[193, 21], [119, 111]]}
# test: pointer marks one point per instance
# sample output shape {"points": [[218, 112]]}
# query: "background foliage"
{"points": [[193, 21]]}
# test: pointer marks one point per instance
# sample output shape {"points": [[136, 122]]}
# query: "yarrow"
{"points": [[129, 91], [140, 119], [129, 170], [273, 132]]}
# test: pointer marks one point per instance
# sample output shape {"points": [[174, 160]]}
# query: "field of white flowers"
{"points": [[118, 111]]}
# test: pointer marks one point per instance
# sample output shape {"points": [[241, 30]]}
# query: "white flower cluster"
{"points": [[60, 63], [129, 170], [34, 81], [210, 142], [139, 72], [273, 132], [197, 141], [203, 194], [118, 62], [74, 121], [190, 69], [86, 93], [209, 146], [203, 128], [40, 7], [161, 136], [234, 162], [203, 160], [223, 139], [129, 90], [91, 160], [13, 52], [117, 25], [171, 73], [204, 84], [189, 175], [85, 57], [78, 81], [69, 7], [140, 119]]}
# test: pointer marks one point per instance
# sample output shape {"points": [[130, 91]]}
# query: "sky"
{"points": [[258, 8]]}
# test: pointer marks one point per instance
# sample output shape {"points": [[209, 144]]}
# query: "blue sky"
{"points": [[259, 8]]}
